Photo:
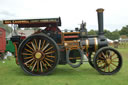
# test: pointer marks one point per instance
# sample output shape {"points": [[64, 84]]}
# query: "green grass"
{"points": [[11, 74]]}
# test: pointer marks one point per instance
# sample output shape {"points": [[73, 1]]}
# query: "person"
{"points": [[2, 57], [8, 55], [52, 28]]}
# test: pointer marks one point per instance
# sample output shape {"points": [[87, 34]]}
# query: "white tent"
{"points": [[110, 41]]}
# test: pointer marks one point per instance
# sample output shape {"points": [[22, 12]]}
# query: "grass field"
{"points": [[11, 74]]}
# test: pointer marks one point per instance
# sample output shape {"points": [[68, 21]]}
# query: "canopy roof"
{"points": [[35, 22]]}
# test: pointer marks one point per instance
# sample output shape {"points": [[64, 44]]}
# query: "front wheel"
{"points": [[107, 61]]}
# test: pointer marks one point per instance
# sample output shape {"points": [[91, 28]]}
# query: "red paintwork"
{"points": [[74, 36], [23, 37], [2, 40], [54, 29]]}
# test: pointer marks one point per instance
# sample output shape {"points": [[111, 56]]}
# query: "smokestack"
{"points": [[100, 21]]}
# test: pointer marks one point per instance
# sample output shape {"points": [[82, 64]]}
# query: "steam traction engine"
{"points": [[41, 52]]}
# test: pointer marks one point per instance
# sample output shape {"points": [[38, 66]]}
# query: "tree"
{"points": [[124, 30], [92, 32], [115, 35], [107, 34], [112, 35]]}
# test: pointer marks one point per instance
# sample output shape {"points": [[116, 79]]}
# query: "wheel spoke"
{"points": [[41, 66], [44, 65], [43, 44], [115, 61], [34, 66], [29, 47], [49, 60], [49, 52], [35, 42], [33, 46], [47, 63], [112, 55], [39, 44], [26, 54], [45, 47], [111, 67], [105, 67], [32, 63], [108, 68], [51, 56], [28, 51], [100, 63], [28, 57], [114, 58], [48, 49], [114, 64], [103, 55], [28, 61], [107, 54], [37, 66]]}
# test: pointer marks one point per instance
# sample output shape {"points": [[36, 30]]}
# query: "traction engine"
{"points": [[41, 52]]}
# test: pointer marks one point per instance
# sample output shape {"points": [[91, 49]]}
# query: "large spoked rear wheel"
{"points": [[38, 55], [107, 61]]}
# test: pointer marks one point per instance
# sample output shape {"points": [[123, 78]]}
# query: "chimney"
{"points": [[100, 21]]}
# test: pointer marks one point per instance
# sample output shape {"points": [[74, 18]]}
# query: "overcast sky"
{"points": [[72, 12]]}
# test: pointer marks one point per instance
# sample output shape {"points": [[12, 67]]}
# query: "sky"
{"points": [[72, 12]]}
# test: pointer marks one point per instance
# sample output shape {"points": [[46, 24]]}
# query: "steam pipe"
{"points": [[100, 21]]}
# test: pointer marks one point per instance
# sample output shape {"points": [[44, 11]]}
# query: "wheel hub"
{"points": [[38, 55], [108, 61]]}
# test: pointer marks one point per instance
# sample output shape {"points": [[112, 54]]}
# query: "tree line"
{"points": [[115, 35]]}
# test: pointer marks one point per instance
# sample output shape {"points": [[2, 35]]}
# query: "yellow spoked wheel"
{"points": [[38, 55], [107, 61]]}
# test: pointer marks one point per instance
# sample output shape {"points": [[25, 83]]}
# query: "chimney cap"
{"points": [[100, 10]]}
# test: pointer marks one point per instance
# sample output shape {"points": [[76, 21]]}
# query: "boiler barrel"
{"points": [[93, 44]]}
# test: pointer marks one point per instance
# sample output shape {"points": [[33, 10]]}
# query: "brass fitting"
{"points": [[100, 10]]}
